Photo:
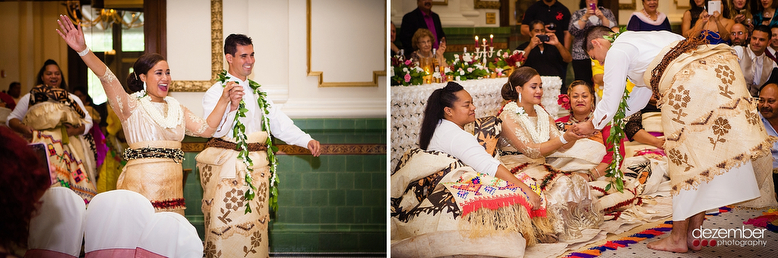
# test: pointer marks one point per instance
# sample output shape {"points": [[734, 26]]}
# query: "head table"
{"points": [[408, 103]]}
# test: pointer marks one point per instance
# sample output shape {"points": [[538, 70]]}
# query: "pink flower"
{"points": [[470, 69], [408, 62], [564, 101], [407, 77]]}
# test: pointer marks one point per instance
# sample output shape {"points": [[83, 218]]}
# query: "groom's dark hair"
{"points": [[595, 33], [232, 42]]}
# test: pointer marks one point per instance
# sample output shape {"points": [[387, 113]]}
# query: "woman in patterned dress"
{"points": [[51, 115]]}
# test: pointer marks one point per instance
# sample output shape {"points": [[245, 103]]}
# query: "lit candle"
{"points": [[476, 41], [491, 40], [484, 41]]}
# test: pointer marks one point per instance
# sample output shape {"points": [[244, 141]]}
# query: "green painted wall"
{"points": [[332, 203]]}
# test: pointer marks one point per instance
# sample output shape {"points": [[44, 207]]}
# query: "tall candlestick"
{"points": [[476, 41], [491, 40], [484, 41], [465, 51]]}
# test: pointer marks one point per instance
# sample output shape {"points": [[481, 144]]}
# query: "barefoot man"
{"points": [[719, 153]]}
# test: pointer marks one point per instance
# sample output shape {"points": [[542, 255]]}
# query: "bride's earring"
{"points": [[519, 97]]}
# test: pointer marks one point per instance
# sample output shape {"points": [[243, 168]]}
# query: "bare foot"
{"points": [[695, 222], [690, 242], [670, 244]]}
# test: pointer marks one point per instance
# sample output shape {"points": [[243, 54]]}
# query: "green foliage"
{"points": [[616, 136], [239, 133]]}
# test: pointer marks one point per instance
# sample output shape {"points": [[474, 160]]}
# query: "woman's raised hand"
{"points": [[73, 35], [233, 93]]}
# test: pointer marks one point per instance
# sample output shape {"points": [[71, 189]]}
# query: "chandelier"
{"points": [[102, 18]]}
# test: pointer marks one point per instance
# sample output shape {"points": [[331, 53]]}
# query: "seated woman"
{"points": [[452, 175], [422, 42], [592, 160], [636, 132], [698, 22], [528, 136]]}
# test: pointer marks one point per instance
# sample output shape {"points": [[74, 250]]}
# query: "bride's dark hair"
{"points": [[439, 99]]}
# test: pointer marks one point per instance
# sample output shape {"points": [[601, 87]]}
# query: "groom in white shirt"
{"points": [[228, 229]]}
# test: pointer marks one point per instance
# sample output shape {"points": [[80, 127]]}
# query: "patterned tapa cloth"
{"points": [[70, 158], [710, 121], [161, 180], [434, 192], [229, 231]]}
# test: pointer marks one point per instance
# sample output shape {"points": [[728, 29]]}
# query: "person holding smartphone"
{"points": [[545, 52], [707, 18], [590, 14]]}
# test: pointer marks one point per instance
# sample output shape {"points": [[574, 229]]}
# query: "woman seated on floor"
{"points": [[528, 136], [482, 195], [588, 156]]}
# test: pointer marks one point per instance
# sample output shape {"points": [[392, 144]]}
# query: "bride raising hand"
{"points": [[154, 124]]}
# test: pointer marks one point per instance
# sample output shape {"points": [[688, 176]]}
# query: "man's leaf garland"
{"points": [[617, 133], [615, 138], [239, 133]]}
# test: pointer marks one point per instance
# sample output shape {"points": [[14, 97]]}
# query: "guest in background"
{"points": [[636, 132], [15, 90], [22, 182], [738, 35], [773, 43], [550, 57], [740, 12], [98, 147], [754, 63], [766, 14], [7, 101], [422, 43], [554, 15], [768, 112], [649, 19], [114, 161], [51, 115], [697, 21], [394, 48], [580, 21], [421, 18]]}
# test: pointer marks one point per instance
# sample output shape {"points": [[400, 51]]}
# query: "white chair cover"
{"points": [[169, 234], [115, 222], [58, 228]]}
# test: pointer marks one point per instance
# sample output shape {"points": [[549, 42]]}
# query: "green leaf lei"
{"points": [[617, 133], [612, 37], [615, 138], [239, 133]]}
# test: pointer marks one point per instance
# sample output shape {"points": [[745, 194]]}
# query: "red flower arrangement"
{"points": [[564, 101]]}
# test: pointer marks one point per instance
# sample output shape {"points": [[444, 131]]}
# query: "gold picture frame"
{"points": [[627, 5]]}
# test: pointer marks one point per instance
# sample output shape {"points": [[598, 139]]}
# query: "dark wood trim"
{"points": [[155, 26], [505, 13]]}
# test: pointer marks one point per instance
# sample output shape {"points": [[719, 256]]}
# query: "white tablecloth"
{"points": [[408, 105]]}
